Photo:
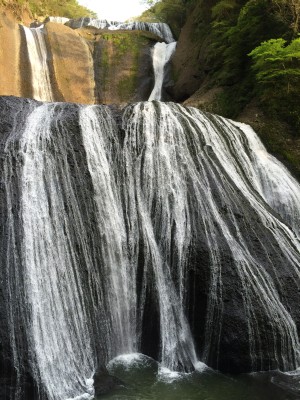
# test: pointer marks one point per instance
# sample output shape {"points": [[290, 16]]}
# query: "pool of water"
{"points": [[144, 379]]}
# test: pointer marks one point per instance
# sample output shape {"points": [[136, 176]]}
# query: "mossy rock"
{"points": [[123, 66]]}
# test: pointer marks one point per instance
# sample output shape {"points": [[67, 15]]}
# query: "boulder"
{"points": [[72, 65]]}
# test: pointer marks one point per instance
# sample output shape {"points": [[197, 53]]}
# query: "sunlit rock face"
{"points": [[10, 39], [159, 230], [71, 64]]}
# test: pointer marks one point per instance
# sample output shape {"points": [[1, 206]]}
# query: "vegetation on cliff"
{"points": [[44, 8], [250, 51], [173, 12]]}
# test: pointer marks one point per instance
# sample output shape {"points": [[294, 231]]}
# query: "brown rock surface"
{"points": [[16, 11], [10, 44], [72, 65]]}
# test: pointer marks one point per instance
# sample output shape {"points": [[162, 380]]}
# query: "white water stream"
{"points": [[38, 58], [162, 54]]}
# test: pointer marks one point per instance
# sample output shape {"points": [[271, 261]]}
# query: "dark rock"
{"points": [[105, 383]]}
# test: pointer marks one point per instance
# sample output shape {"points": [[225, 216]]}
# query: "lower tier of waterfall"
{"points": [[157, 229]]}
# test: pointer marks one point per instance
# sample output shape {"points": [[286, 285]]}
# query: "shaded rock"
{"points": [[104, 382], [190, 54], [123, 66]]}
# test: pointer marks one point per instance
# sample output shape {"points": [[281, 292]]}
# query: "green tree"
{"points": [[173, 12], [277, 69], [276, 62]]}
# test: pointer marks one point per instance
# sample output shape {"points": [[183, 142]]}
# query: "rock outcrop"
{"points": [[191, 52], [123, 66], [10, 50], [71, 67], [86, 65]]}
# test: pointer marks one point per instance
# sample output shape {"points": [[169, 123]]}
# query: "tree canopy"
{"points": [[274, 60]]}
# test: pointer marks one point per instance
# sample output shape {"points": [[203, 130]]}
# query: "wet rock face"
{"points": [[15, 374], [190, 64]]}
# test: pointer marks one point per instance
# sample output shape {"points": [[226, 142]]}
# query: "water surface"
{"points": [[144, 379]]}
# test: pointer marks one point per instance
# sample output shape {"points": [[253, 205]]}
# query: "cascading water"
{"points": [[58, 20], [162, 54], [37, 53], [158, 28], [101, 220], [98, 132], [55, 315]]}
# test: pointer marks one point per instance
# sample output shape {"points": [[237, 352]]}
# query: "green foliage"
{"points": [[277, 69], [223, 9], [173, 12], [274, 61], [149, 3], [66, 8]]}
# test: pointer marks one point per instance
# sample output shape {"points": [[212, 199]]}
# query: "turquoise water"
{"points": [[145, 380]]}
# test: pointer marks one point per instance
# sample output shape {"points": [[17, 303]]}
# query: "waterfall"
{"points": [[57, 20], [162, 54], [178, 178], [56, 324], [160, 29], [37, 53], [103, 220], [119, 277]]}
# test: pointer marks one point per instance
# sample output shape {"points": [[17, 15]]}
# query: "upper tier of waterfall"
{"points": [[50, 73], [158, 28], [38, 58], [166, 235]]}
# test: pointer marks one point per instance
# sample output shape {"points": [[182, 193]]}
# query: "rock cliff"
{"points": [[86, 65]]}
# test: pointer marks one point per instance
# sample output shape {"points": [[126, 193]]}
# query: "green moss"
{"points": [[125, 46]]}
